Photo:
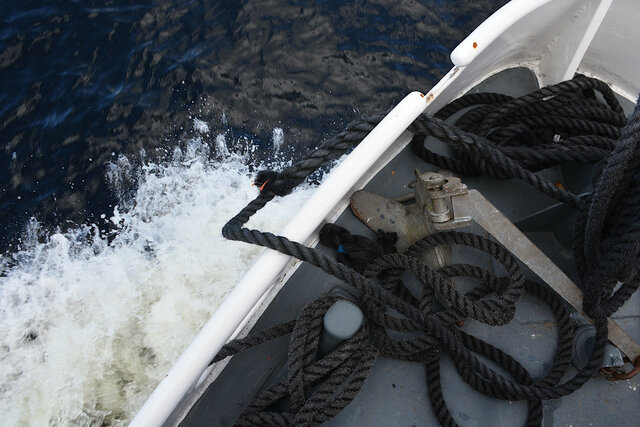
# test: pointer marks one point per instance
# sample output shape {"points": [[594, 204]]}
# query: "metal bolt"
{"points": [[434, 181], [440, 211]]}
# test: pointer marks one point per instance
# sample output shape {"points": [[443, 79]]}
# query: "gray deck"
{"points": [[395, 393]]}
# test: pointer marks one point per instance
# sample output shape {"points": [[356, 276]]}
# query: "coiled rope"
{"points": [[505, 138]]}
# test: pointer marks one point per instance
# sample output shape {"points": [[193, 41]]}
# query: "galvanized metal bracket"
{"points": [[434, 192]]}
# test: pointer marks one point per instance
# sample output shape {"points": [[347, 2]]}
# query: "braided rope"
{"points": [[505, 138]]}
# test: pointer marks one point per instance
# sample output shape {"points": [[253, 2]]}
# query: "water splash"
{"points": [[200, 126], [93, 322], [277, 138]]}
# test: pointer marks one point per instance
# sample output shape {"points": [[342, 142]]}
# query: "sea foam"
{"points": [[92, 323]]}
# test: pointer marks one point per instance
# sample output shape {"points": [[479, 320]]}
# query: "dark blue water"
{"points": [[82, 82]]}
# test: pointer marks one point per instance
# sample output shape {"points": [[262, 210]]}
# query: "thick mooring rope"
{"points": [[505, 138]]}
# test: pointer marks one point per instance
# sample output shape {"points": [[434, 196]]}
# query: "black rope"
{"points": [[607, 239], [357, 252], [508, 137], [281, 184], [502, 137]]}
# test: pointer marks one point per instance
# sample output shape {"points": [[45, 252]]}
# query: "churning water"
{"points": [[130, 134]]}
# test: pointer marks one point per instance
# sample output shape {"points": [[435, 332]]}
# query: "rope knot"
{"points": [[264, 180], [273, 182], [357, 251]]}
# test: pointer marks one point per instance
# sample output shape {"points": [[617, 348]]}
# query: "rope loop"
{"points": [[497, 136]]}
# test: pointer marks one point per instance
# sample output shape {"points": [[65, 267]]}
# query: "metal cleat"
{"points": [[430, 213], [380, 213]]}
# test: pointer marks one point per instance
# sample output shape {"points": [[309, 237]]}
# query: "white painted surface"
{"points": [[566, 50], [498, 31], [550, 36], [556, 38], [612, 56]]}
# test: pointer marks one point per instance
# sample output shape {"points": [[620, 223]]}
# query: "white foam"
{"points": [[89, 327], [221, 145], [277, 138], [200, 126]]}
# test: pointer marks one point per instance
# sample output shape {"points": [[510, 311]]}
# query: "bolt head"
{"points": [[433, 180]]}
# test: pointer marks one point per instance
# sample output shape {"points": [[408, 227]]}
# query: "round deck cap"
{"points": [[342, 320]]}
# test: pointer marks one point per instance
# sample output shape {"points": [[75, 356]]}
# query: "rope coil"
{"points": [[505, 138]]}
